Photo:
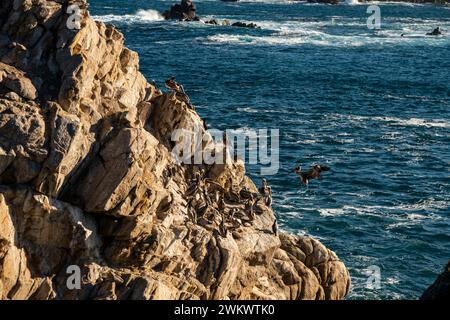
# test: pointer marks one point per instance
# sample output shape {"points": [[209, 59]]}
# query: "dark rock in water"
{"points": [[185, 11], [212, 21], [229, 0], [235, 24], [244, 25], [440, 289], [435, 32]]}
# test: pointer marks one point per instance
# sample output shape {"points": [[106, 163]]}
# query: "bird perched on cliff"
{"points": [[275, 228], [266, 192], [244, 193], [171, 84], [313, 173]]}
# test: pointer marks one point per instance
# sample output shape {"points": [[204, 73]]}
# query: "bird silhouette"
{"points": [[313, 173]]}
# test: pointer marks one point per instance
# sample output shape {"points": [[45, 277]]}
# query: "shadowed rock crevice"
{"points": [[87, 178]]}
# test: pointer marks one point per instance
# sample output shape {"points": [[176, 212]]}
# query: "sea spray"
{"points": [[141, 16]]}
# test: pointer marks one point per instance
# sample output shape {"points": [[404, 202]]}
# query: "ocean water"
{"points": [[370, 104]]}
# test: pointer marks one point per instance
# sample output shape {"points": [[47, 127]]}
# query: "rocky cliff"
{"points": [[87, 180]]}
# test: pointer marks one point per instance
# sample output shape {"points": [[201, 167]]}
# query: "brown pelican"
{"points": [[266, 192], [313, 173], [185, 98], [171, 84], [245, 193]]}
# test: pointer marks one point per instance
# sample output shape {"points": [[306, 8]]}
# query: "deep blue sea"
{"points": [[372, 105]]}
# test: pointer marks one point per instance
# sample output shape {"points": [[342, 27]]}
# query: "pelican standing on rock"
{"points": [[266, 192], [171, 84]]}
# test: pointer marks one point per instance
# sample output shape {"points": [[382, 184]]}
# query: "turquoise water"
{"points": [[372, 105]]}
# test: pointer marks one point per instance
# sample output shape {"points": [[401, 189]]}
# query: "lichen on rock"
{"points": [[87, 178]]}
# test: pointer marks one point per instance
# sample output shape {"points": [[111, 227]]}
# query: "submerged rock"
{"points": [[436, 32], [235, 24], [440, 289], [244, 25], [185, 11], [212, 21], [88, 182]]}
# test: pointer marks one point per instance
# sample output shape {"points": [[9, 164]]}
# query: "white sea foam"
{"points": [[392, 280], [330, 212], [306, 141], [415, 122], [283, 40], [298, 32], [141, 16], [438, 123], [395, 121], [402, 224], [247, 110], [351, 2], [430, 206]]}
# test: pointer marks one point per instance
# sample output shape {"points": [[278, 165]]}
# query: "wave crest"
{"points": [[141, 16]]}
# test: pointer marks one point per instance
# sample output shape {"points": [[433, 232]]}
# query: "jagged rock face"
{"points": [[87, 179], [440, 289]]}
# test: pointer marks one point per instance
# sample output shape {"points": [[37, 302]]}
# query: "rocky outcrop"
{"points": [[436, 32], [238, 24], [88, 183], [244, 25], [440, 289], [185, 11]]}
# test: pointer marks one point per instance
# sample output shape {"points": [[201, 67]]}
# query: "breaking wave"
{"points": [[336, 31], [141, 16]]}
